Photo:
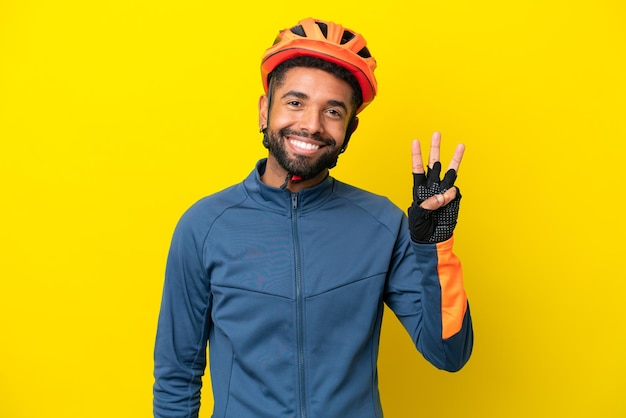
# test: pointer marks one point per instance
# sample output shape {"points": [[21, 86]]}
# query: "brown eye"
{"points": [[334, 113]]}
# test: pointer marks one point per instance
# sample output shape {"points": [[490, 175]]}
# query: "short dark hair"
{"points": [[277, 76]]}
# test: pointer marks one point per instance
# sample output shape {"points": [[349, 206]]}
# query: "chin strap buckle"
{"points": [[291, 177]]}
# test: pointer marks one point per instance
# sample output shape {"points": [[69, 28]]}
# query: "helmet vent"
{"points": [[347, 36], [324, 28], [298, 30], [364, 53]]}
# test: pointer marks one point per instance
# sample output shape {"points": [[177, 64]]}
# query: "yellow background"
{"points": [[116, 116]]}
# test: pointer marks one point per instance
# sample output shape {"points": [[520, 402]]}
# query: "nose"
{"points": [[310, 121]]}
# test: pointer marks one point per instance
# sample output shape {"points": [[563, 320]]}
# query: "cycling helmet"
{"points": [[328, 41]]}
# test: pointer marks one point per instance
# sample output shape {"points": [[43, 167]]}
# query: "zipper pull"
{"points": [[294, 200]]}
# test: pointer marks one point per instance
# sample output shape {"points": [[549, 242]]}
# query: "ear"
{"points": [[352, 125], [263, 103]]}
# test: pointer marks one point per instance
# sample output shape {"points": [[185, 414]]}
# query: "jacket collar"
{"points": [[281, 199]]}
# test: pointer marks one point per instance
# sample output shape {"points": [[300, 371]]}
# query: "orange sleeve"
{"points": [[453, 297]]}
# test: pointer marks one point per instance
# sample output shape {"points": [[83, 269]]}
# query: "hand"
{"points": [[435, 209]]}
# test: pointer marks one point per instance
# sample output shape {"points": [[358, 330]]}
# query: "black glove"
{"points": [[433, 225]]}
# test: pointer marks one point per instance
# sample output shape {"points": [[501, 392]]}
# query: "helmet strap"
{"points": [[266, 141]]}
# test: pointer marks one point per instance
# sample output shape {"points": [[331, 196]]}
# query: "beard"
{"points": [[302, 165]]}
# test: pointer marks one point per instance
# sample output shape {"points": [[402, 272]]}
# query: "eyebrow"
{"points": [[303, 96]]}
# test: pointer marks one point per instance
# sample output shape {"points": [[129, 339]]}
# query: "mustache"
{"points": [[304, 134]]}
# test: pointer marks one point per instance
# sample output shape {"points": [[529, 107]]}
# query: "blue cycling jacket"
{"points": [[288, 290]]}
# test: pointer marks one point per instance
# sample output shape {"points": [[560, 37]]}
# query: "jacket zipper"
{"points": [[299, 307]]}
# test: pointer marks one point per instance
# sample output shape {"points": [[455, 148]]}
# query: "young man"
{"points": [[285, 274]]}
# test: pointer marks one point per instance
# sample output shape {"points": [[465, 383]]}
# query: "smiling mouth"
{"points": [[306, 146]]}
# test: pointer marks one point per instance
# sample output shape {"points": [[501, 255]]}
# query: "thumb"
{"points": [[439, 200]]}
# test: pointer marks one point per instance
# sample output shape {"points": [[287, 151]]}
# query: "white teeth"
{"points": [[304, 145]]}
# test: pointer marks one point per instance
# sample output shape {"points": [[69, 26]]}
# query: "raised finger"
{"points": [[457, 157], [416, 154], [434, 149]]}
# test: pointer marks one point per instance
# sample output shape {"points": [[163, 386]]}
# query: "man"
{"points": [[285, 275]]}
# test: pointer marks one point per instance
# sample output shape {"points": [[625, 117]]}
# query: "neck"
{"points": [[276, 176]]}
